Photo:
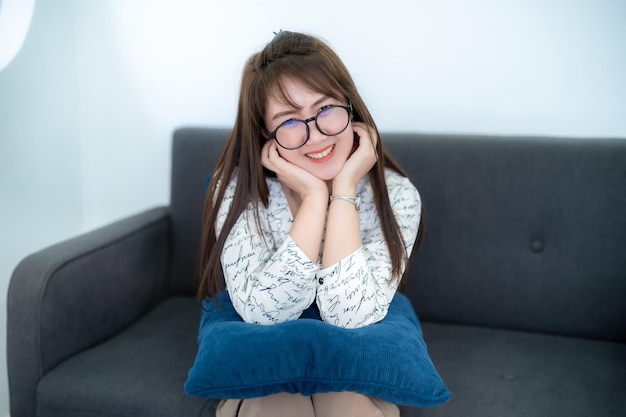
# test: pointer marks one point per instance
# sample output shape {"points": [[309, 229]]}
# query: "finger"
{"points": [[275, 160], [374, 136], [265, 148], [365, 135], [273, 154], [266, 153], [371, 132]]}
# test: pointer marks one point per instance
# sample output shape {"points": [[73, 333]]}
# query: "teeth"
{"points": [[321, 154]]}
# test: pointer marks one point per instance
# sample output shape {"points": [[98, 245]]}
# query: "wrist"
{"points": [[319, 196], [339, 188], [356, 200]]}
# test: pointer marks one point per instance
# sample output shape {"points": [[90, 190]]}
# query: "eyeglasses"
{"points": [[329, 120]]}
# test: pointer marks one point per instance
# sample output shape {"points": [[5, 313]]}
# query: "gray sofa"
{"points": [[520, 284]]}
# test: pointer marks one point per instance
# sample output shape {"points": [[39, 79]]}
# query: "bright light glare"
{"points": [[15, 18]]}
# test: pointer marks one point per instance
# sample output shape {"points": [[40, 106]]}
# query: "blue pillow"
{"points": [[386, 360]]}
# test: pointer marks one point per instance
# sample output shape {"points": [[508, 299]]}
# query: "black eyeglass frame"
{"points": [[272, 135]]}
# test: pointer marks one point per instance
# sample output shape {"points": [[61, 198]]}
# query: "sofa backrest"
{"points": [[195, 151], [523, 233]]}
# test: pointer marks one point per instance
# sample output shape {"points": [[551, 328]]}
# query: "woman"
{"points": [[306, 206]]}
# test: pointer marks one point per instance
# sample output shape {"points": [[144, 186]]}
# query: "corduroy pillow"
{"points": [[386, 360]]}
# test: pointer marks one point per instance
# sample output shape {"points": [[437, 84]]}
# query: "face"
{"points": [[322, 156]]}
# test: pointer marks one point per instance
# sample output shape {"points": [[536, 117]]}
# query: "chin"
{"points": [[325, 173], [324, 176]]}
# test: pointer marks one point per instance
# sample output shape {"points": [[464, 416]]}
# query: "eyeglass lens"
{"points": [[330, 121]]}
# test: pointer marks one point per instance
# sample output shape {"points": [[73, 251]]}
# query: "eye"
{"points": [[325, 109], [290, 123], [328, 112]]}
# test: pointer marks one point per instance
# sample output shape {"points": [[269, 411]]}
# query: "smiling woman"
{"points": [[15, 17], [336, 222]]}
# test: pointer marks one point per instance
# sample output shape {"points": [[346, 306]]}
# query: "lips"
{"points": [[322, 154]]}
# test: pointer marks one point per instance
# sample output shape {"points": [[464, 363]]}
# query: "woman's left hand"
{"points": [[360, 162], [297, 179]]}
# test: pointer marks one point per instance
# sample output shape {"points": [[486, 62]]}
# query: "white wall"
{"points": [[40, 149], [88, 106]]}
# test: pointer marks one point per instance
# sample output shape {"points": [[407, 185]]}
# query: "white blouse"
{"points": [[270, 279]]}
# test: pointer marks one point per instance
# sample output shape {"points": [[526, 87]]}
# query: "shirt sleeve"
{"points": [[266, 284], [357, 291]]}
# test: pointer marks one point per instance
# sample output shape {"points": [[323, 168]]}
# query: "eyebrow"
{"points": [[291, 111]]}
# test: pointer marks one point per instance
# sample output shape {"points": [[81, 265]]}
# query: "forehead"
{"points": [[294, 94]]}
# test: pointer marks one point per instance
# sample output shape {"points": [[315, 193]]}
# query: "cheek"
{"points": [[348, 144]]}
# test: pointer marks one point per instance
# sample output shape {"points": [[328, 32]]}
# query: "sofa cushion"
{"points": [[495, 373], [388, 360], [140, 372], [524, 233]]}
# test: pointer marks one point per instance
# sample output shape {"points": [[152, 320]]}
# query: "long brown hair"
{"points": [[310, 61]]}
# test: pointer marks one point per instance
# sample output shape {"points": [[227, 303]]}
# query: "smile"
{"points": [[322, 154]]}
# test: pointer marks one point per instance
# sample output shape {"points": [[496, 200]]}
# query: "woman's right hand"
{"points": [[307, 196], [297, 179]]}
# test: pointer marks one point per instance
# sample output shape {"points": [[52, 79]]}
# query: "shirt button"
{"points": [[321, 281]]}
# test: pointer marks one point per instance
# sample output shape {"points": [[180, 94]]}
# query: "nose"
{"points": [[315, 135]]}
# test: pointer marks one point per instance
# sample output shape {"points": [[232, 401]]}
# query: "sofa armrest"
{"points": [[77, 293]]}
